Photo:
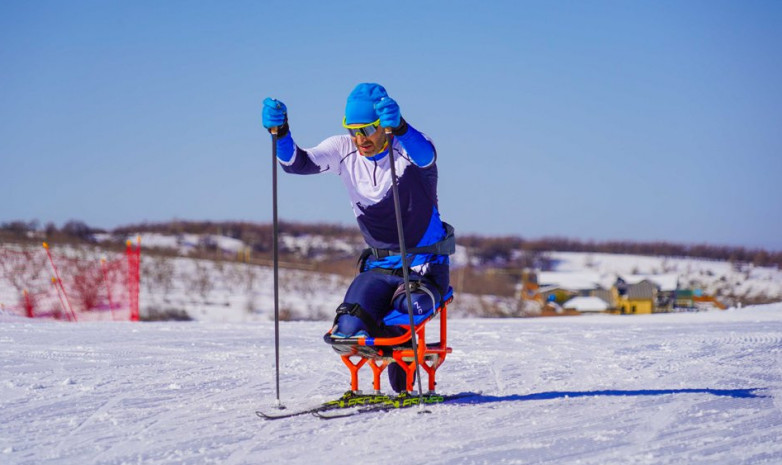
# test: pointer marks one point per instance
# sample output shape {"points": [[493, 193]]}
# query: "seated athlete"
{"points": [[361, 159]]}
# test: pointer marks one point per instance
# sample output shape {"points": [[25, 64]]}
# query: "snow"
{"points": [[572, 280], [666, 282], [186, 243], [586, 304], [596, 389], [156, 240], [225, 244], [310, 246], [696, 388]]}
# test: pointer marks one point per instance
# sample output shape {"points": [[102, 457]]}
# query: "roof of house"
{"points": [[666, 282], [645, 289], [586, 304]]}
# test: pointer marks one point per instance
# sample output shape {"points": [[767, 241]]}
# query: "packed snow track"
{"points": [[657, 389]]}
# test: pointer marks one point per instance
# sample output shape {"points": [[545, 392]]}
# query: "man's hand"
{"points": [[388, 111], [275, 114]]}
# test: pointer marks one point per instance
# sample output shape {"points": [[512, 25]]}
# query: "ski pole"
{"points": [[403, 251], [276, 268]]}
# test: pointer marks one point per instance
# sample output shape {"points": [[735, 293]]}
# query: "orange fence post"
{"points": [[134, 276], [28, 305], [67, 304]]}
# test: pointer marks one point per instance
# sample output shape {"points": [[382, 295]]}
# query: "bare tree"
{"points": [[202, 279]]}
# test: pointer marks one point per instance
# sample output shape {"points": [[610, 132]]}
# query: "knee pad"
{"points": [[424, 300]]}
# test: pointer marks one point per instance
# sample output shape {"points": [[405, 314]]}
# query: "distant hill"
{"points": [[205, 268], [487, 248], [511, 251]]}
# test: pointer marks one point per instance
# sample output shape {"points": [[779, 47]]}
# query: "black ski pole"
{"points": [[403, 251], [276, 268]]}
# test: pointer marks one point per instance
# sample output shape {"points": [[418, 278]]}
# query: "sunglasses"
{"points": [[365, 130]]}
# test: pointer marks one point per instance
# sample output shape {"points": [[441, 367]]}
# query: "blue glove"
{"points": [[275, 114], [388, 111]]}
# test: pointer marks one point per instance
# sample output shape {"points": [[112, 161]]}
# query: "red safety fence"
{"points": [[70, 284]]}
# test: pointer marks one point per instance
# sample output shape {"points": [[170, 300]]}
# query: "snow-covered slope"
{"points": [[234, 292], [657, 389], [228, 291]]}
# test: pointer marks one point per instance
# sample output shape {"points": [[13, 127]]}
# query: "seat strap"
{"points": [[358, 311], [446, 246]]}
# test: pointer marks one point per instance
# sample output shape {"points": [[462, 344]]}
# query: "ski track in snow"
{"points": [[700, 388]]}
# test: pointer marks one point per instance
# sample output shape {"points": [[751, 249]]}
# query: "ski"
{"points": [[348, 400], [401, 401]]}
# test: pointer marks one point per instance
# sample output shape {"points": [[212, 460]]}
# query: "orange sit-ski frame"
{"points": [[391, 349]]}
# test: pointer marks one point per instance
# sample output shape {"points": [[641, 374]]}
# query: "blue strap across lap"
{"points": [[397, 318]]}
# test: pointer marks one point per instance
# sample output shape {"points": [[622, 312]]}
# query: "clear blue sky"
{"points": [[596, 120]]}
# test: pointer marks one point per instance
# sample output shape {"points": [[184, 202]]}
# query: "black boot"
{"points": [[397, 377]]}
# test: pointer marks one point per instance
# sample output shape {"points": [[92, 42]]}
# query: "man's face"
{"points": [[369, 146]]}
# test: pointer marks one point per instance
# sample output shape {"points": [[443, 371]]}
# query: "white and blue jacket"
{"points": [[368, 182]]}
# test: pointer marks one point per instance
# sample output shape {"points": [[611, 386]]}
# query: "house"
{"points": [[667, 284], [607, 295], [684, 300], [638, 298], [629, 294], [566, 285], [555, 294]]}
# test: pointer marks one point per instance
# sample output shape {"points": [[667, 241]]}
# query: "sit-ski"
{"points": [[379, 352]]}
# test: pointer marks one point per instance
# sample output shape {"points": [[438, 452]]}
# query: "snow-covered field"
{"points": [[656, 389]]}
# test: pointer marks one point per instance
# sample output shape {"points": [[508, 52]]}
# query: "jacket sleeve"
{"points": [[324, 157], [418, 147]]}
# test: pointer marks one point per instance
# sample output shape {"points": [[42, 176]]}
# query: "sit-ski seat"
{"points": [[381, 351]]}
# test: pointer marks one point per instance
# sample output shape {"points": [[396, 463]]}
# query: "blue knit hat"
{"points": [[361, 103]]}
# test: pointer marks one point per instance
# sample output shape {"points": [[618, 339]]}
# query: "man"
{"points": [[361, 159]]}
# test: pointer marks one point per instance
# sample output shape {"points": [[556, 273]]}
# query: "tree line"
{"points": [[514, 250]]}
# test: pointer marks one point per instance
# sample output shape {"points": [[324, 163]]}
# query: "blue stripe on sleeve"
{"points": [[285, 148], [421, 151]]}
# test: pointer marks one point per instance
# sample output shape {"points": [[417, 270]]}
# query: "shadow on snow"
{"points": [[734, 393]]}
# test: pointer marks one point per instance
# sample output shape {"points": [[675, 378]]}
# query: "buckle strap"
{"points": [[419, 286], [446, 246], [400, 290], [390, 271], [356, 310], [382, 253]]}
